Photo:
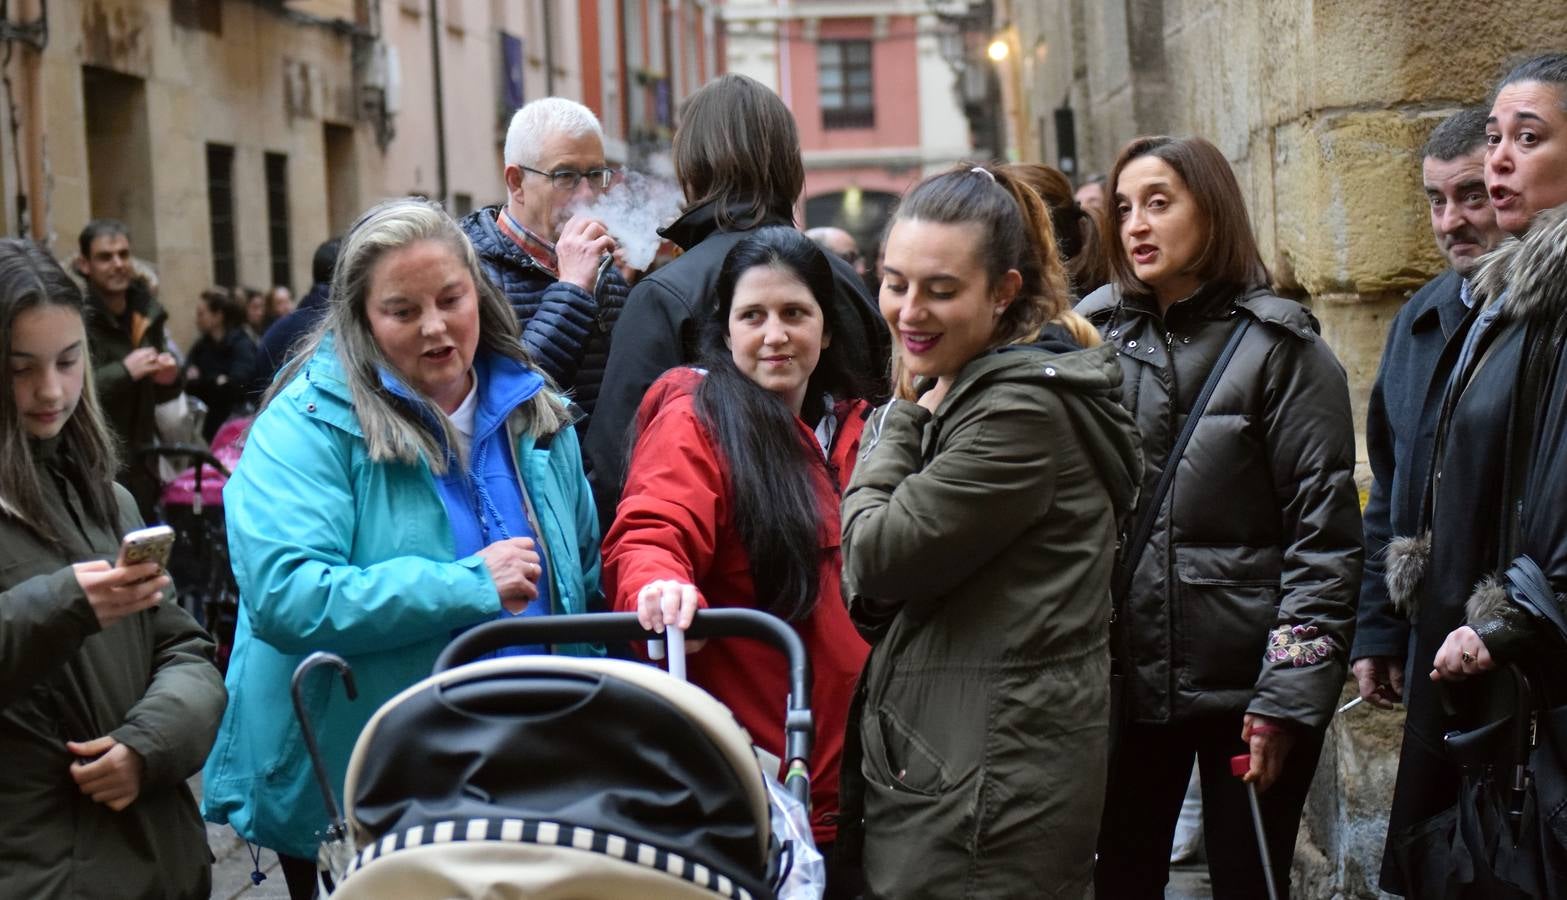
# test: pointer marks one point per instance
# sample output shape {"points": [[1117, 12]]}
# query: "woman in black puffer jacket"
{"points": [[1235, 615]]}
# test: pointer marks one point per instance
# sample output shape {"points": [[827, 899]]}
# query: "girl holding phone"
{"points": [[109, 699]]}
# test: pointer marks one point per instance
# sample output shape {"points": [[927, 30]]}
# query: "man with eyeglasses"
{"points": [[545, 258]]}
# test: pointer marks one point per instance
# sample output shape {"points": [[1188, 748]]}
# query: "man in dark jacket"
{"points": [[551, 264], [737, 157], [1423, 347], [132, 366], [1406, 399], [280, 341]]}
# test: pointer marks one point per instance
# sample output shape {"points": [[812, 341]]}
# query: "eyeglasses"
{"points": [[568, 179]]}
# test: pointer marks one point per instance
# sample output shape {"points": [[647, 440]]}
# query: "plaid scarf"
{"points": [[542, 251]]}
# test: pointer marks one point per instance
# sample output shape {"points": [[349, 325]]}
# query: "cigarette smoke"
{"points": [[634, 209]]}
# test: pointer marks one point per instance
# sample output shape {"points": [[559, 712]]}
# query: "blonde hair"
{"points": [[393, 430]]}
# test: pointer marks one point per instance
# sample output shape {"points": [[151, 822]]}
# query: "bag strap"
{"points": [[1133, 548]]}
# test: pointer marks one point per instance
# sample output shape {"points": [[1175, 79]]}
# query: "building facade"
{"points": [[225, 135], [233, 136], [459, 68], [876, 92]]}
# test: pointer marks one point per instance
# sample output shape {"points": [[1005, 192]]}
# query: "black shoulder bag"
{"points": [[1133, 545]]}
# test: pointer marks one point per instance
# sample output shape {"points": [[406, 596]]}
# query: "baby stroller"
{"points": [[559, 777], [191, 503]]}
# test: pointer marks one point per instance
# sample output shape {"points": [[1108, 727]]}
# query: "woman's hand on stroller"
{"points": [[1463, 654], [115, 593], [514, 567], [107, 771], [669, 602]]}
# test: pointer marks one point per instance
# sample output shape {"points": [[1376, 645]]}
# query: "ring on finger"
{"points": [[1467, 656]]}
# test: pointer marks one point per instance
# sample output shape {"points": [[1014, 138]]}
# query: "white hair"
{"points": [[547, 116]]}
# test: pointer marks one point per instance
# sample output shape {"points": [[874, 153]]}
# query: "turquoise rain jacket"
{"points": [[335, 552]]}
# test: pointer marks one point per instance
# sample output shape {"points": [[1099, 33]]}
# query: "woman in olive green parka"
{"points": [[109, 699], [978, 538]]}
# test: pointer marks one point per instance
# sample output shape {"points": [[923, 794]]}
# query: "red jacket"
{"points": [[675, 521]]}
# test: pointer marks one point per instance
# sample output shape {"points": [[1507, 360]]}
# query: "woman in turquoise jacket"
{"points": [[410, 475]]}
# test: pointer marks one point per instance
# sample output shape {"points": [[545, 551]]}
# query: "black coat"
{"points": [[1466, 519], [1244, 597], [128, 404], [225, 375], [662, 327], [1401, 420], [566, 329], [282, 340]]}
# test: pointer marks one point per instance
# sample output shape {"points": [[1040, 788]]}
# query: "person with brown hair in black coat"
{"points": [[737, 157], [1235, 591], [220, 369]]}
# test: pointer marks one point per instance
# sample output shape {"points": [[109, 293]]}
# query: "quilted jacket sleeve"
{"points": [[1309, 435], [556, 322]]}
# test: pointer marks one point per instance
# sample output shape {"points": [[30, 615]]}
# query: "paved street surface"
{"points": [[231, 872]]}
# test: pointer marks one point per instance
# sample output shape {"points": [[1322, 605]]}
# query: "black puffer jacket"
{"points": [[1244, 598], [663, 326], [566, 330]]}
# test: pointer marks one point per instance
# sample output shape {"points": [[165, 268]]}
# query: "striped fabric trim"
{"points": [[551, 834]]}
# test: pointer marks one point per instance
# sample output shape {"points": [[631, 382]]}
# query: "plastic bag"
{"points": [[803, 871]]}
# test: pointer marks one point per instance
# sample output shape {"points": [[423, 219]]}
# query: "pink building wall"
{"points": [[894, 80]]}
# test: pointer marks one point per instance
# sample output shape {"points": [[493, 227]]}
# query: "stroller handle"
{"points": [[708, 623]]}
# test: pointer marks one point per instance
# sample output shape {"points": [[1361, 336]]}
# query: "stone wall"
{"points": [[1321, 105]]}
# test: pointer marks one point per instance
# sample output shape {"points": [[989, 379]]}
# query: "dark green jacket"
{"points": [[128, 404], [147, 681], [978, 545]]}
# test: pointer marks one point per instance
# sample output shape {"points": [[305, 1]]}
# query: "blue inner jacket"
{"points": [[485, 502]]}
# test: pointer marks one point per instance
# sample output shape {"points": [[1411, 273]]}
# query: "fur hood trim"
{"points": [[1406, 561], [1532, 271]]}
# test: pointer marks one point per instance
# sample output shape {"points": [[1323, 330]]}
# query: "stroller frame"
{"points": [[534, 839]]}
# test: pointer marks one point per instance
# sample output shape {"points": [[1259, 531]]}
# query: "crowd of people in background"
{"points": [[1056, 489]]}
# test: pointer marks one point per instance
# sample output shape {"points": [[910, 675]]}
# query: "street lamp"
{"points": [[998, 50]]}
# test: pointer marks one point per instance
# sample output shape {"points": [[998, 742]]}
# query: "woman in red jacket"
{"points": [[731, 499]]}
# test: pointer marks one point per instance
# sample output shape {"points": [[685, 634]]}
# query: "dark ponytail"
{"points": [[768, 460], [1076, 229]]}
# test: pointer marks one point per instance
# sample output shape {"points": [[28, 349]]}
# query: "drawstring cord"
{"points": [[256, 875], [482, 494]]}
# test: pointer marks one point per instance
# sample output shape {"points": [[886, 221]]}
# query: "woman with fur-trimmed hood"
{"points": [[1496, 493]]}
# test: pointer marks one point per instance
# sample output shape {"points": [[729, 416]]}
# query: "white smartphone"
{"points": [[147, 545]]}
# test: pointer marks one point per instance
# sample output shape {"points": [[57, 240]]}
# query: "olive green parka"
{"points": [[978, 545], [147, 681]]}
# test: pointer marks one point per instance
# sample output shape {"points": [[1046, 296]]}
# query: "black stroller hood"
{"points": [[598, 760]]}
